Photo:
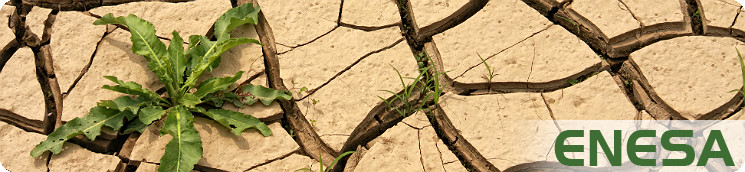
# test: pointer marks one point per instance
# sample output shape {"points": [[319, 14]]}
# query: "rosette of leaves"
{"points": [[178, 69]]}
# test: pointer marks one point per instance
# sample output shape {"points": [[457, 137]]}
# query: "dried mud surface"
{"points": [[552, 60]]}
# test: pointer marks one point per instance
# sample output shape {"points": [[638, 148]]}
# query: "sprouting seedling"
{"points": [[178, 70], [489, 69], [405, 95], [573, 81], [315, 101], [570, 21], [628, 83], [422, 82], [320, 161]]}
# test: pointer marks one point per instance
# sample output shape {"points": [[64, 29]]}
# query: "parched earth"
{"points": [[553, 60]]}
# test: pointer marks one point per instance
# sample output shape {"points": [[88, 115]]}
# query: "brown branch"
{"points": [[21, 122], [630, 78], [537, 87], [82, 5], [408, 26], [49, 86], [7, 52], [623, 45], [576, 24], [48, 23], [382, 117], [466, 153], [458, 17], [368, 28]]}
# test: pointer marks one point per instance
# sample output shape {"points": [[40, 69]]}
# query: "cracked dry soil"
{"points": [[555, 60]]}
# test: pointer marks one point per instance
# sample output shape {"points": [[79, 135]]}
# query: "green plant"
{"points": [[304, 89], [179, 71], [320, 159], [405, 96], [570, 21], [315, 101], [573, 81], [490, 70], [423, 83]]}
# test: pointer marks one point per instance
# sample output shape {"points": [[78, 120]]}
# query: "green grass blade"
{"points": [[338, 158], [742, 68]]}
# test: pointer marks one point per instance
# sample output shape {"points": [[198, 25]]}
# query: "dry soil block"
{"points": [[609, 15], [114, 58], [360, 13], [188, 18], [346, 100], [498, 26], [222, 149], [293, 162], [654, 12], [5, 33], [409, 146], [16, 145], [74, 39], [597, 98], [549, 55], [427, 12], [507, 129], [20, 91], [694, 75], [296, 22], [76, 158], [720, 13]]}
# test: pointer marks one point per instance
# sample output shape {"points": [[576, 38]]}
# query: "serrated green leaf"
{"points": [[145, 43], [216, 84], [185, 149], [189, 100], [254, 93], [151, 113], [124, 103], [90, 126], [742, 68], [206, 55], [237, 121], [178, 60], [131, 88], [135, 125], [244, 14]]}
